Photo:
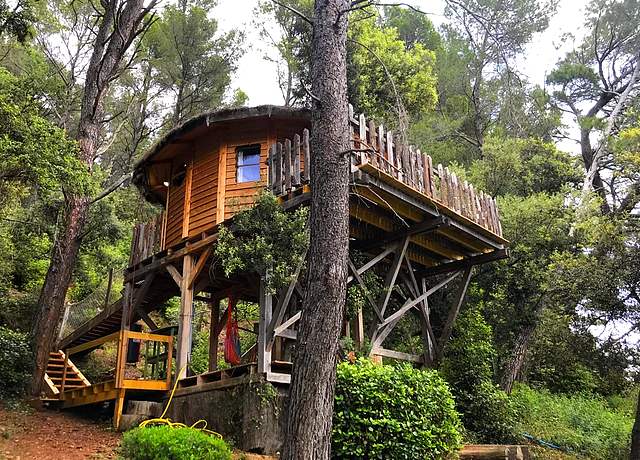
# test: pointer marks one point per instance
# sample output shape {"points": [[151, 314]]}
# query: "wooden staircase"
{"points": [[73, 378]]}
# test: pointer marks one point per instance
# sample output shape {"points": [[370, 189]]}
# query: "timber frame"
{"points": [[419, 227]]}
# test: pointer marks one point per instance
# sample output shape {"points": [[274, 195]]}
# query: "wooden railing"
{"points": [[148, 239], [373, 146], [154, 364]]}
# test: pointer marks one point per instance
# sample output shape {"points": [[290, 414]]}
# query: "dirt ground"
{"points": [[51, 435], [27, 434]]}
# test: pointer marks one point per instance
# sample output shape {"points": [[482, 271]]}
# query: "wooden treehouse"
{"points": [[416, 224]]}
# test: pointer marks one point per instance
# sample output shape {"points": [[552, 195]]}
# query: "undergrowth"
{"points": [[584, 425]]}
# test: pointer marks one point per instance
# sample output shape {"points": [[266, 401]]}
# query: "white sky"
{"points": [[257, 77]]}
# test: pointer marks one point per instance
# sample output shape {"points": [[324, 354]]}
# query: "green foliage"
{"points": [[17, 18], [392, 412], [165, 443], [522, 167], [410, 72], [581, 424], [486, 412], [15, 365], [32, 149], [189, 60], [264, 239]]}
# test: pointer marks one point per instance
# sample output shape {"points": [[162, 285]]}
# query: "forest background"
{"points": [[552, 132]]}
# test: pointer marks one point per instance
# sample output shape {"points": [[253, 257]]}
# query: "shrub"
{"points": [[15, 365], [392, 412], [578, 423], [487, 413], [165, 443]]}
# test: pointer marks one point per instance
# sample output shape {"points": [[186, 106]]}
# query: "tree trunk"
{"points": [[310, 410], [55, 287], [514, 366], [635, 435], [104, 65]]}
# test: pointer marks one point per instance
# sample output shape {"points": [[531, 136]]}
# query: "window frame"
{"points": [[241, 150]]}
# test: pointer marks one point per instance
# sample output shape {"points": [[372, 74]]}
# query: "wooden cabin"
{"points": [[419, 227]]}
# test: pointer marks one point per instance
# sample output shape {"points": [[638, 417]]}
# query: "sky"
{"points": [[257, 77]]}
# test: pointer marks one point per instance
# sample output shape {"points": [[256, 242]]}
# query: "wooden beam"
{"points": [[146, 318], [285, 325], [266, 312], [428, 225], [392, 274], [202, 260], [363, 286], [175, 274], [373, 262], [409, 304], [283, 304], [186, 210], [92, 344], [222, 182], [287, 334], [464, 263], [213, 335], [170, 258], [185, 332], [453, 313], [397, 355]]}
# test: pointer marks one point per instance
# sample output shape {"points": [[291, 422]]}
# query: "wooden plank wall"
{"points": [[175, 213], [204, 188], [239, 196]]}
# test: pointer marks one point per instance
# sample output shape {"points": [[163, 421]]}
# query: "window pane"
{"points": [[249, 173], [248, 157]]}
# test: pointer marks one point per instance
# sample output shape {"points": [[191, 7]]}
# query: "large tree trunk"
{"points": [[55, 287], [104, 66], [310, 410], [514, 366], [635, 435]]}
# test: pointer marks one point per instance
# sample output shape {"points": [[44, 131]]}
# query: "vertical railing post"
{"points": [[64, 371]]}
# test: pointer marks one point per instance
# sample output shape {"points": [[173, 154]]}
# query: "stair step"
{"points": [[68, 379]]}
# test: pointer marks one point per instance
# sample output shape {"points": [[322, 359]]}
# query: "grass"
{"points": [[582, 425]]}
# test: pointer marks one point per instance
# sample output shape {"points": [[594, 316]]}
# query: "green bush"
{"points": [[487, 413], [15, 365], [165, 443], [392, 412], [578, 423]]}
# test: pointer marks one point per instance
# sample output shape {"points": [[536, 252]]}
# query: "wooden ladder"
{"points": [[73, 378]]}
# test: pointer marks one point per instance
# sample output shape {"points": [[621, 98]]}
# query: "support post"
{"points": [[358, 329], [453, 313], [117, 409], [214, 333], [266, 306], [126, 306], [185, 330]]}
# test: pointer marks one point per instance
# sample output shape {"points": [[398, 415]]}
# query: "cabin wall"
{"points": [[197, 204]]}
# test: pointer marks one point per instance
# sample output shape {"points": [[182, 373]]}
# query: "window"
{"points": [[248, 161]]}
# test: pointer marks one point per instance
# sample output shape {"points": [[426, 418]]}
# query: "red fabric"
{"points": [[232, 337]]}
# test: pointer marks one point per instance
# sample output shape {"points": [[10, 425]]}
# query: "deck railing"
{"points": [[377, 148], [153, 357], [148, 239]]}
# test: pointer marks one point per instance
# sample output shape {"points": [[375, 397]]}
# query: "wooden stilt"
{"points": [[185, 331], [266, 306], [214, 333], [453, 313], [118, 407], [358, 329]]}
